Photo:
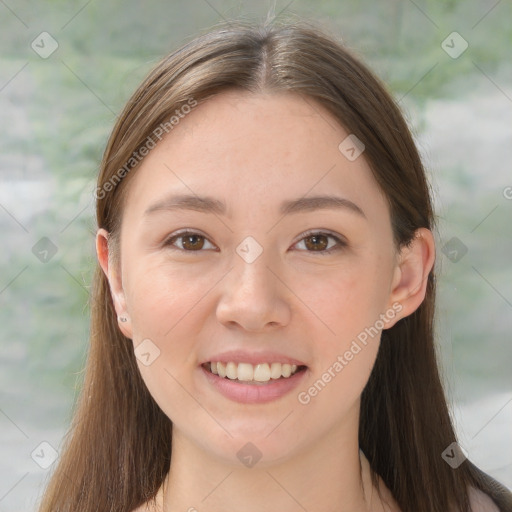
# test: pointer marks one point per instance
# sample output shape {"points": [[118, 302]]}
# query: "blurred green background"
{"points": [[57, 113]]}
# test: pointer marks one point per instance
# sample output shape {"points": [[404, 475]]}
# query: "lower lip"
{"points": [[253, 393]]}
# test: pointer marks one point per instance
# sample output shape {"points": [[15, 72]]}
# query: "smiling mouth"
{"points": [[253, 374]]}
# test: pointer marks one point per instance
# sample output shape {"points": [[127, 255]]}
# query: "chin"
{"points": [[251, 446]]}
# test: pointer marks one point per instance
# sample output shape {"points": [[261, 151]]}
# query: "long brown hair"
{"points": [[118, 449]]}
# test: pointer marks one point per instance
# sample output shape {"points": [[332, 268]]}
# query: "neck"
{"points": [[323, 478]]}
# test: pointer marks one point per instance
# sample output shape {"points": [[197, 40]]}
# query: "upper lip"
{"points": [[243, 356]]}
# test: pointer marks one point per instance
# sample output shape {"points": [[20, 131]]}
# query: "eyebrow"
{"points": [[207, 204]]}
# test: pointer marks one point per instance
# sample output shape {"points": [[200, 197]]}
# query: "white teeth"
{"points": [[262, 372], [221, 369], [231, 371], [275, 370], [246, 372]]}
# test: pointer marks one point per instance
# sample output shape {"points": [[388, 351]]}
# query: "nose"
{"points": [[254, 296]]}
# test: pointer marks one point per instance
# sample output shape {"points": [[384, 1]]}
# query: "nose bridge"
{"points": [[252, 276], [252, 295]]}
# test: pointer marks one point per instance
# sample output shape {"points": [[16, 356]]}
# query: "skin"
{"points": [[252, 151]]}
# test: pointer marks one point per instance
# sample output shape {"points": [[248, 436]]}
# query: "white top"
{"points": [[481, 502], [478, 500]]}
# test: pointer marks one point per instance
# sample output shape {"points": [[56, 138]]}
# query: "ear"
{"points": [[409, 284], [115, 282]]}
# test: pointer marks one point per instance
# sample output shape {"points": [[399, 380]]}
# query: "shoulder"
{"points": [[481, 502]]}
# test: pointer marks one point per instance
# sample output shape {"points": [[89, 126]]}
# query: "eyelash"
{"points": [[340, 244]]}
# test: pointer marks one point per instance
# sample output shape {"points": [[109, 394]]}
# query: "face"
{"points": [[310, 285]]}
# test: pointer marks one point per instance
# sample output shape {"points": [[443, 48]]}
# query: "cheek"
{"points": [[346, 300], [166, 310], [163, 298], [350, 304], [346, 341]]}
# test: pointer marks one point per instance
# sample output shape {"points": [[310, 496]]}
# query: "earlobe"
{"points": [[411, 274], [114, 280]]}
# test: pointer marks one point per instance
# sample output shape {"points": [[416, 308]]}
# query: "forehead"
{"points": [[241, 146]]}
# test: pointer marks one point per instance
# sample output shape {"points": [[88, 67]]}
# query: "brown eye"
{"points": [[190, 241], [193, 242], [319, 242]]}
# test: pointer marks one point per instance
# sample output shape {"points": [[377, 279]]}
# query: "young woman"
{"points": [[262, 321]]}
